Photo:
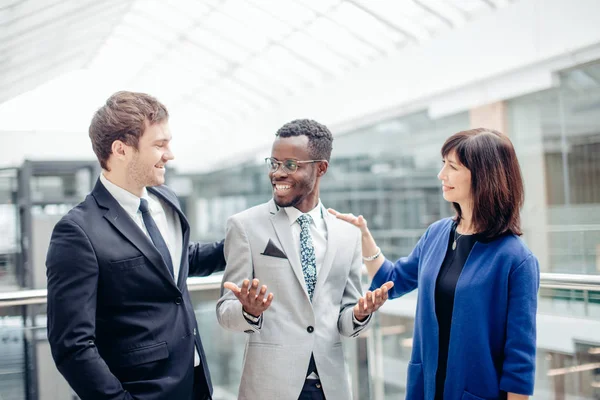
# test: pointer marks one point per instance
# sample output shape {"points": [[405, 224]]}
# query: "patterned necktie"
{"points": [[307, 254], [155, 235]]}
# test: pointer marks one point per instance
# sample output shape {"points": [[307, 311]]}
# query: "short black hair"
{"points": [[320, 139]]}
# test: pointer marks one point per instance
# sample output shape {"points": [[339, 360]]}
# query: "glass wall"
{"points": [[557, 136], [386, 171], [9, 230]]}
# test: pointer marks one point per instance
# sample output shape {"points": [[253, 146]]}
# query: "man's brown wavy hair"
{"points": [[124, 117]]}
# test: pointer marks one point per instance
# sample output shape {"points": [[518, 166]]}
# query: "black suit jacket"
{"points": [[118, 325]]}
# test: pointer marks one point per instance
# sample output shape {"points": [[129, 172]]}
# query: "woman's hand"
{"points": [[514, 396], [360, 222], [372, 256]]}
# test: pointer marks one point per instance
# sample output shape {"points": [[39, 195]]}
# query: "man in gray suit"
{"points": [[311, 262]]}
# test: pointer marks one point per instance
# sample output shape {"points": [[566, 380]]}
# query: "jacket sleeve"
{"points": [[518, 370], [239, 267], [72, 272], [404, 272], [206, 258], [352, 293]]}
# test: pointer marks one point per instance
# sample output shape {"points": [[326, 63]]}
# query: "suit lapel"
{"points": [[333, 235], [281, 224], [185, 227], [123, 223]]}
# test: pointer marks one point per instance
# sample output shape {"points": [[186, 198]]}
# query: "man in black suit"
{"points": [[121, 324]]}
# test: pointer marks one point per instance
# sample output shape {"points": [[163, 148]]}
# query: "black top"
{"points": [[454, 261]]}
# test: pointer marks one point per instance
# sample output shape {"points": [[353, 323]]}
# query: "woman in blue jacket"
{"points": [[474, 335]]}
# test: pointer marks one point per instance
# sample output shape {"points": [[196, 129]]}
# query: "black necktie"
{"points": [[155, 235]]}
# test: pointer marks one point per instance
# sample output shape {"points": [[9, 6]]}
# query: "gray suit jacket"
{"points": [[259, 244]]}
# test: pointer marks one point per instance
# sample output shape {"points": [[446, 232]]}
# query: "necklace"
{"points": [[456, 239]]}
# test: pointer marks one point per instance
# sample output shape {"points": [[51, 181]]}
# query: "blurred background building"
{"points": [[391, 78]]}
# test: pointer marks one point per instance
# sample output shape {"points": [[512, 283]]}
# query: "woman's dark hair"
{"points": [[496, 182]]}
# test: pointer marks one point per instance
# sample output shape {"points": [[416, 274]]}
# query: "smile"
{"points": [[282, 188]]}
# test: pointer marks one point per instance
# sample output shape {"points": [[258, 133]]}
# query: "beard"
{"points": [[141, 174], [304, 189], [290, 203]]}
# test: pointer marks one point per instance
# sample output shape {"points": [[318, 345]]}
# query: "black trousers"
{"points": [[201, 391], [312, 390]]}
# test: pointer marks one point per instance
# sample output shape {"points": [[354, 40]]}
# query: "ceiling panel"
{"points": [[42, 40], [225, 58]]}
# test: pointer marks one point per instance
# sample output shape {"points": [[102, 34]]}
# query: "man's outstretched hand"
{"points": [[371, 301], [253, 300]]}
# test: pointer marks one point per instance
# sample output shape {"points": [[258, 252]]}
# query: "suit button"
{"points": [[194, 331], [310, 329], [178, 300]]}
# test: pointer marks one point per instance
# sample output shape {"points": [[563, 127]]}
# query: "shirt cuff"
{"points": [[251, 319], [358, 323]]}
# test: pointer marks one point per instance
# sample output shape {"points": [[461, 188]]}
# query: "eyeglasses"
{"points": [[289, 166]]}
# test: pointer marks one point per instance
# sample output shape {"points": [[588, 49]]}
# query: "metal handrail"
{"points": [[38, 296], [547, 280], [570, 281]]}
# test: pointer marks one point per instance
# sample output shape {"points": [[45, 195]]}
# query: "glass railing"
{"points": [[568, 329], [568, 360], [27, 371]]}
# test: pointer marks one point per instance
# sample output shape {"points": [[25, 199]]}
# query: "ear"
{"points": [[322, 168], [119, 149]]}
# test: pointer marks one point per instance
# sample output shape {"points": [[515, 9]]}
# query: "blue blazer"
{"points": [[492, 340], [119, 327]]}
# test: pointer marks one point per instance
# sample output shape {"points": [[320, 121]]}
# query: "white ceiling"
{"points": [[214, 63]]}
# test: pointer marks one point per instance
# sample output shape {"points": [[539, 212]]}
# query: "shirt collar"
{"points": [[129, 201], [293, 213]]}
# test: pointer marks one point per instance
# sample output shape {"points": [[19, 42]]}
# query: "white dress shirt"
{"points": [[166, 219], [318, 231]]}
